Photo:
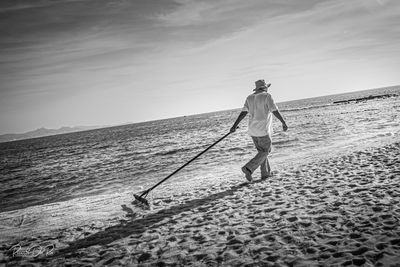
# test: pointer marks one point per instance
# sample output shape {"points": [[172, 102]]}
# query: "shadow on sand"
{"points": [[139, 226]]}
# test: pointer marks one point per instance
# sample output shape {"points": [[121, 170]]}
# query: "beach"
{"points": [[343, 210], [67, 200]]}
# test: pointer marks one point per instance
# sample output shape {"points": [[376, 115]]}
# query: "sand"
{"points": [[342, 211]]}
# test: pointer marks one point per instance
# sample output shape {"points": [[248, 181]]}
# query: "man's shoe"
{"points": [[265, 177], [247, 173]]}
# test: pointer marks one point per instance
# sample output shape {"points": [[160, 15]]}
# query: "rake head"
{"points": [[141, 201]]}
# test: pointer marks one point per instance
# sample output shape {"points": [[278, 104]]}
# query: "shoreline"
{"points": [[339, 210]]}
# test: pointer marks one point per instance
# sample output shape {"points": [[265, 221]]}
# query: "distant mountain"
{"points": [[45, 132]]}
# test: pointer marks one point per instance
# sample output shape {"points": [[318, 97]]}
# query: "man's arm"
{"points": [[279, 116], [238, 120]]}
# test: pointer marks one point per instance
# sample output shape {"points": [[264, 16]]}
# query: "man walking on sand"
{"points": [[260, 107]]}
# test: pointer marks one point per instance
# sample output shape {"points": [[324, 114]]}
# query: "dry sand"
{"points": [[339, 211]]}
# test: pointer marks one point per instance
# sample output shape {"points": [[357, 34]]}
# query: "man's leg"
{"points": [[265, 169], [263, 145], [268, 167], [248, 169]]}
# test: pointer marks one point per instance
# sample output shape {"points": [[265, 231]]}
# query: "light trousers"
{"points": [[263, 145]]}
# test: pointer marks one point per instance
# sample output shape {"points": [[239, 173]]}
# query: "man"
{"points": [[260, 107]]}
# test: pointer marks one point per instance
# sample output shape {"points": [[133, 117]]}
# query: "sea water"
{"points": [[62, 167]]}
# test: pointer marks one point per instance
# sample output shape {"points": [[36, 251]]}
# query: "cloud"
{"points": [[107, 51], [45, 37], [205, 20], [367, 29], [49, 21], [12, 5]]}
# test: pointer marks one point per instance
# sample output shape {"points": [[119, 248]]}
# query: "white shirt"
{"points": [[260, 106]]}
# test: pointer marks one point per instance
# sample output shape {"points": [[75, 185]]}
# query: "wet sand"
{"points": [[340, 211]]}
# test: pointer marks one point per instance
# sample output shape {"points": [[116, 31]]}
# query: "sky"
{"points": [[109, 62]]}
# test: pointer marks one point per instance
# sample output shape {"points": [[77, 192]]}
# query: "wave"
{"points": [[282, 142], [174, 151], [306, 108], [170, 152], [233, 149]]}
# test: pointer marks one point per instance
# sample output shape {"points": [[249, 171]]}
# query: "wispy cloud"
{"points": [[12, 5]]}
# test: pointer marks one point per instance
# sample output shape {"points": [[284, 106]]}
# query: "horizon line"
{"points": [[97, 127]]}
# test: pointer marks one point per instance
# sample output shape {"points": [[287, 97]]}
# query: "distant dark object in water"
{"points": [[364, 98]]}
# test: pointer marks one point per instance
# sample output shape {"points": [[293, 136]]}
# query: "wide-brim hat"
{"points": [[260, 84]]}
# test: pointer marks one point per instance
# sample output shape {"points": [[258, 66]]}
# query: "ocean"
{"points": [[136, 156]]}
